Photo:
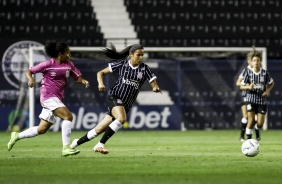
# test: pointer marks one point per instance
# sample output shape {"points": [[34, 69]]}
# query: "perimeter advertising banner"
{"points": [[139, 118], [85, 118]]}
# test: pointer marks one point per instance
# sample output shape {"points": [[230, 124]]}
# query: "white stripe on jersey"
{"points": [[261, 80], [129, 81]]}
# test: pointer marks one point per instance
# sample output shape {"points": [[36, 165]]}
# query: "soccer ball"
{"points": [[250, 148]]}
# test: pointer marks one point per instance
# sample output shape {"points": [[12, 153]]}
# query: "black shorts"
{"points": [[111, 102], [261, 109], [244, 102]]}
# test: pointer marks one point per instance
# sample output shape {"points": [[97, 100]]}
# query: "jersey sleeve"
{"points": [[74, 73], [115, 66], [245, 78], [39, 68], [243, 73], [150, 76], [269, 79]]}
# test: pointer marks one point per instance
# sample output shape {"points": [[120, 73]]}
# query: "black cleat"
{"points": [[257, 134]]}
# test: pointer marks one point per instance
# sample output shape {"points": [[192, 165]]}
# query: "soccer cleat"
{"points": [[257, 135], [13, 140], [74, 144], [69, 151], [100, 148], [242, 139]]}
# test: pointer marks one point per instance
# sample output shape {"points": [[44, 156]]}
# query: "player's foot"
{"points": [[257, 135], [13, 140], [69, 151], [74, 144], [100, 148], [242, 139]]}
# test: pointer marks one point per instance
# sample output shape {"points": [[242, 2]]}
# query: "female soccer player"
{"points": [[55, 75], [122, 95], [258, 84], [244, 120]]}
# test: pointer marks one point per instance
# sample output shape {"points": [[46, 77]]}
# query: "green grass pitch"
{"points": [[144, 157]]}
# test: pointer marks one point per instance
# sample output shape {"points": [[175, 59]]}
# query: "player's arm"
{"points": [[268, 89], [83, 81], [100, 74], [30, 78], [155, 86], [247, 86], [239, 81]]}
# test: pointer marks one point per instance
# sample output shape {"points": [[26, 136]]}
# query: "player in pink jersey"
{"points": [[55, 75]]}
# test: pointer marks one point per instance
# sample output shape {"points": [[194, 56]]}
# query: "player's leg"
{"points": [[30, 132], [251, 119], [257, 131], [244, 122], [100, 128], [66, 115], [119, 114], [262, 109]]}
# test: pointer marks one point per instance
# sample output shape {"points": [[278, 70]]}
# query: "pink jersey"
{"points": [[55, 76]]}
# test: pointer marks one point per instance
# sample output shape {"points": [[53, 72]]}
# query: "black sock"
{"points": [[249, 136], [243, 129], [83, 140], [108, 134]]}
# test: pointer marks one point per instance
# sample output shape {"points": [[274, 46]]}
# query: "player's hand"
{"points": [[157, 90], [265, 94], [251, 86], [30, 83], [86, 83], [102, 88]]}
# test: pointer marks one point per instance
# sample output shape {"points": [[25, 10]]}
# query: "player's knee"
{"points": [[121, 119], [68, 117], [42, 130], [259, 125]]}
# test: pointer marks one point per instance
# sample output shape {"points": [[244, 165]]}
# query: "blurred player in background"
{"points": [[55, 75], [258, 84], [121, 96]]}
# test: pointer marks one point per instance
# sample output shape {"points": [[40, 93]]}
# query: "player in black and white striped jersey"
{"points": [[258, 84], [244, 120], [121, 96], [131, 78]]}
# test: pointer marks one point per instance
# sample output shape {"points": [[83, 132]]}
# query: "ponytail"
{"points": [[113, 54]]}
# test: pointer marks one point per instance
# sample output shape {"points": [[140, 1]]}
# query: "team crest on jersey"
{"points": [[139, 75], [119, 101], [53, 74], [67, 73], [249, 107], [261, 79], [15, 62]]}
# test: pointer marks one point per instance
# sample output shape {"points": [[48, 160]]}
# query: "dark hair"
{"points": [[53, 48], [113, 54]]}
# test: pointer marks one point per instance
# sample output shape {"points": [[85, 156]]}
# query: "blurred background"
{"points": [[199, 89]]}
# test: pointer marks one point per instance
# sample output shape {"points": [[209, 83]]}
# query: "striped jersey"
{"points": [[243, 73], [261, 80], [55, 76], [130, 79]]}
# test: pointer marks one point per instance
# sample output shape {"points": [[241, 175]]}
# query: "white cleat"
{"points": [[74, 144], [100, 148]]}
